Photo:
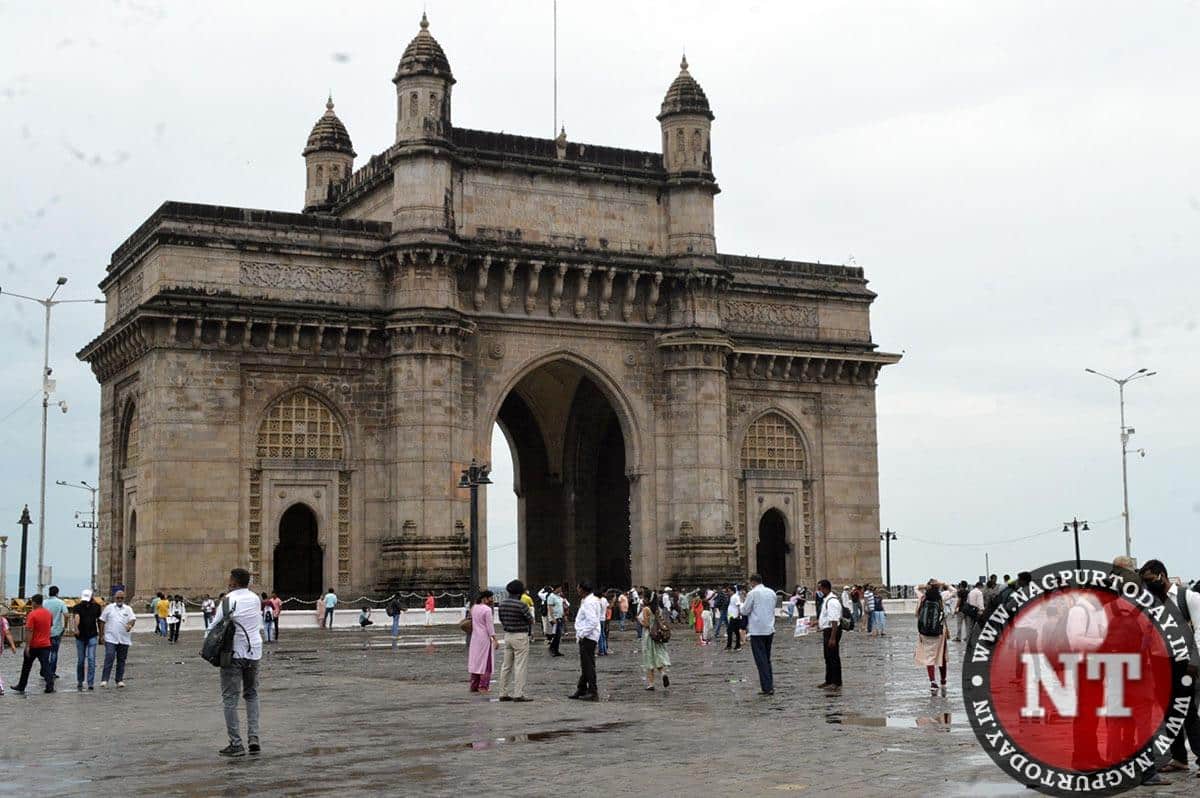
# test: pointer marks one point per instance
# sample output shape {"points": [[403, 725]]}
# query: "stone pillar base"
{"points": [[417, 564]]}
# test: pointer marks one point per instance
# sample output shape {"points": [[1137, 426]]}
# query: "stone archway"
{"points": [[771, 551], [299, 559], [569, 453]]}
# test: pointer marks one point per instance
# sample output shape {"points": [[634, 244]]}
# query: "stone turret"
{"points": [[328, 159], [686, 121], [423, 80], [422, 197]]}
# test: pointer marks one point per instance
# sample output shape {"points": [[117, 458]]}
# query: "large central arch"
{"points": [[573, 443]]}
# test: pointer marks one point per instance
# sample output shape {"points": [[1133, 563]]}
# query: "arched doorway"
{"points": [[772, 550], [568, 453], [299, 559]]}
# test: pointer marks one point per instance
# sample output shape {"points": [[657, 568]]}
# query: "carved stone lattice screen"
{"points": [[300, 427], [255, 525], [772, 444]]}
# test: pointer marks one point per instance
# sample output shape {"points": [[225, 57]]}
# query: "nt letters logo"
{"points": [[1078, 682]]}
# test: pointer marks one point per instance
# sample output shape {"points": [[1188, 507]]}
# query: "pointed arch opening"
{"points": [[299, 559]]}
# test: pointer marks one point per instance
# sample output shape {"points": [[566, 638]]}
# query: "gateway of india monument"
{"points": [[299, 392]]}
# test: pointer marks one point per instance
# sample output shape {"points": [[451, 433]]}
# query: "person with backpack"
{"points": [[240, 638], [655, 656], [758, 610], [932, 634], [830, 623]]}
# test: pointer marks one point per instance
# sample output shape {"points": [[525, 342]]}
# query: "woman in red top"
{"points": [[37, 628]]}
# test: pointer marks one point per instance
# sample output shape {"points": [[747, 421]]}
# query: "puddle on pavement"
{"points": [[543, 736], [943, 721]]}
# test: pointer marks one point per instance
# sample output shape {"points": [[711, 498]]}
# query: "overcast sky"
{"points": [[1019, 180]]}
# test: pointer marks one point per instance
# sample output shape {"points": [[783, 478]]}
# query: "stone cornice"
{"points": [[809, 366]]}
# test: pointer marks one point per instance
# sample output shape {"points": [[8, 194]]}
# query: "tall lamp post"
{"points": [[472, 477], [1077, 525], [24, 521], [887, 537], [47, 388], [4, 569], [90, 523], [1126, 432]]}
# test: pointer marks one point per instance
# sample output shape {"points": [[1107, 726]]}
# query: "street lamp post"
{"points": [[90, 523], [887, 537], [47, 388], [1126, 432], [1076, 525], [472, 477], [4, 570], [24, 521]]}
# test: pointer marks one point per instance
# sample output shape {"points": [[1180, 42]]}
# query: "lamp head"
{"points": [[1085, 527], [1066, 527], [62, 281]]}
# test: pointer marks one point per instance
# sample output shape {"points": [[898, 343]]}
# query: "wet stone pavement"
{"points": [[346, 713]]}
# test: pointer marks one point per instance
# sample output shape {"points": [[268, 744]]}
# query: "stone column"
{"points": [[700, 547]]}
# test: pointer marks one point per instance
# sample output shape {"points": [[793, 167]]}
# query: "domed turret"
{"points": [[685, 96], [686, 121], [423, 80], [328, 158]]}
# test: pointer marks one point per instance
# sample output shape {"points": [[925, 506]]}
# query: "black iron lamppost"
{"points": [[888, 536], [1077, 525], [25, 521], [472, 477]]}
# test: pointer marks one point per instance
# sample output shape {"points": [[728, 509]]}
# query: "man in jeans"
{"points": [[241, 675], [37, 630], [759, 611], [58, 624], [116, 622], [517, 622], [554, 611], [87, 632]]}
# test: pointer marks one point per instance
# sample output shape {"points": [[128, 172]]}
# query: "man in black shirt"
{"points": [[517, 622], [86, 615]]}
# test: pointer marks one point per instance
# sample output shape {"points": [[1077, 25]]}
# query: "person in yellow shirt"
{"points": [[527, 600], [160, 613]]}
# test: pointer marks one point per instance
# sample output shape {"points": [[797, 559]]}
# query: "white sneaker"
{"points": [[104, 684], [120, 684]]}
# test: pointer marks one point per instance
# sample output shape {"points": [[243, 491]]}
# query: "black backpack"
{"points": [[847, 622], [217, 648], [931, 618]]}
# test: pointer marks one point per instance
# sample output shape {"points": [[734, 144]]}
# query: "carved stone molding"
{"points": [[745, 314], [325, 279]]}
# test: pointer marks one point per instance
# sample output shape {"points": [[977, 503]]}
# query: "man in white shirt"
{"points": [[733, 636], [759, 611], [975, 599], [556, 612], [116, 622], [587, 632], [245, 610], [602, 650], [666, 603], [830, 623]]}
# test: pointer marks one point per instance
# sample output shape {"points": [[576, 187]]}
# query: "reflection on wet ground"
{"points": [[346, 714]]}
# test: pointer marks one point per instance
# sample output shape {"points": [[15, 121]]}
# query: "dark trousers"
{"points": [[173, 634], [833, 657], [54, 643], [42, 655], [732, 638], [1190, 735], [587, 668], [117, 651], [720, 621], [760, 646], [329, 617], [556, 638], [276, 622]]}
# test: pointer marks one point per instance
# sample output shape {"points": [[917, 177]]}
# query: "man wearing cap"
{"points": [[86, 616], [516, 618], [116, 622]]}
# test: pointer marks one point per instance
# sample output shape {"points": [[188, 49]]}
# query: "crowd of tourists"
{"points": [[747, 614]]}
